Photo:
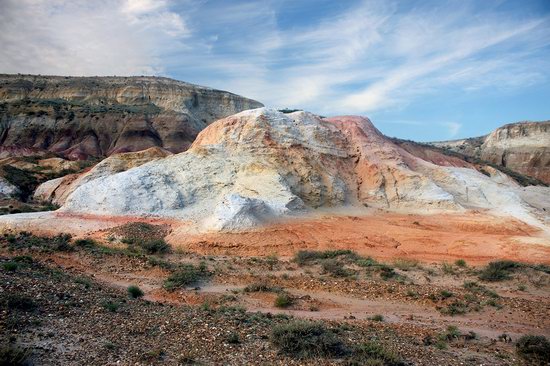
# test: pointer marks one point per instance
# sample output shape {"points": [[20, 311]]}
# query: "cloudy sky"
{"points": [[425, 70]]}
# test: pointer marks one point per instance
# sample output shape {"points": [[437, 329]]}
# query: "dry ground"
{"points": [[428, 312]]}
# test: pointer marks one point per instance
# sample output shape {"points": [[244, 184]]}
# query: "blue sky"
{"points": [[422, 70]]}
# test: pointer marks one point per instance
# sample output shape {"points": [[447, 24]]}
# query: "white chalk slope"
{"points": [[248, 168]]}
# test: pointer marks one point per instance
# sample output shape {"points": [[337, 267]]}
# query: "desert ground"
{"points": [[382, 289]]}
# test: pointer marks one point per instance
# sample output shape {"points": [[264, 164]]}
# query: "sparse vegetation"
{"points": [[261, 287], [377, 318], [335, 268], [301, 339], [283, 300], [405, 264], [185, 275], [135, 292], [20, 302], [374, 353], [304, 257], [24, 239], [461, 263], [535, 350], [498, 271]]}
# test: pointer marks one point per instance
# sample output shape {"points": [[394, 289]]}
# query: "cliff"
{"points": [[81, 117], [523, 147]]}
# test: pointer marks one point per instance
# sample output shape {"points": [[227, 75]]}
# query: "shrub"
{"points": [[110, 306], [83, 281], [135, 292], [157, 246], [534, 349], [13, 356], [387, 273], [233, 338], [85, 243], [498, 271], [186, 275], [283, 300], [377, 318], [301, 339], [455, 308], [261, 287], [373, 353], [61, 242], [448, 268], [335, 268], [445, 294], [20, 302], [461, 263], [405, 264], [10, 266], [306, 256]]}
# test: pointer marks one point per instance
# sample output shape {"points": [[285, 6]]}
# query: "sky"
{"points": [[420, 70]]}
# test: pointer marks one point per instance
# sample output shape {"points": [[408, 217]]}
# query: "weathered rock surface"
{"points": [[57, 190], [260, 164], [79, 117], [523, 147]]}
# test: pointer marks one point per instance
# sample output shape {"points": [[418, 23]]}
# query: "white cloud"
{"points": [[100, 37], [363, 58]]}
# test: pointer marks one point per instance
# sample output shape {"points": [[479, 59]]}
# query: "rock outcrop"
{"points": [[257, 165], [56, 190], [523, 147], [79, 117]]}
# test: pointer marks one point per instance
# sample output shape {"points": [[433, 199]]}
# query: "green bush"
{"points": [[535, 350], [261, 287], [373, 353], [23, 240], [283, 300], [303, 257], [335, 268], [387, 273], [85, 243], [135, 292], [461, 263], [110, 306], [377, 318], [186, 275], [10, 266], [498, 271], [156, 246], [20, 302], [301, 339]]}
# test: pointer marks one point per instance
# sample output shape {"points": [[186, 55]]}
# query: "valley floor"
{"points": [[66, 301]]}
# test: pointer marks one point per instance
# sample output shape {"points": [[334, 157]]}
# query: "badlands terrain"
{"points": [[176, 224]]}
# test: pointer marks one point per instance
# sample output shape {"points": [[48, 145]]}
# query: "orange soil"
{"points": [[473, 236]]}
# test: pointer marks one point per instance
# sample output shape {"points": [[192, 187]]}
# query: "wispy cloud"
{"points": [[329, 57], [100, 37]]}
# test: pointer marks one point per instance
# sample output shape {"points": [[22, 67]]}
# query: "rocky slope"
{"points": [[261, 164], [523, 147], [79, 117]]}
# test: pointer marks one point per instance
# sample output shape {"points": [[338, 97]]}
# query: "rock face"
{"points": [[57, 190], [79, 117], [523, 147], [260, 164]]}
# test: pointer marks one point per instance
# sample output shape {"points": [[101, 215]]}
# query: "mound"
{"points": [[261, 164]]}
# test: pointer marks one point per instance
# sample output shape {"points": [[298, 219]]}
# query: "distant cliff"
{"points": [[81, 117], [523, 147]]}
